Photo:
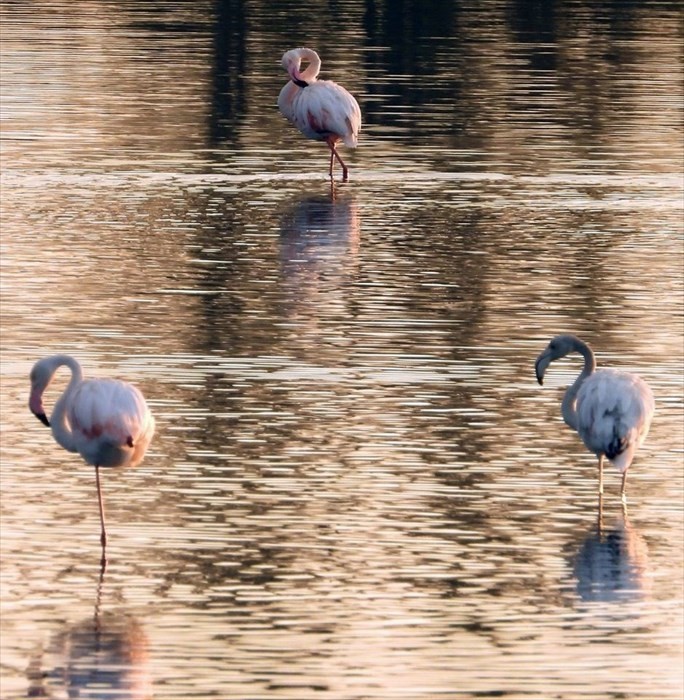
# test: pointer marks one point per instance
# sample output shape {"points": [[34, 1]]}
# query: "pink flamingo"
{"points": [[321, 109], [105, 420]]}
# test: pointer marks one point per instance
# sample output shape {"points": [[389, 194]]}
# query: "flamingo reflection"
{"points": [[105, 656], [612, 564], [319, 243]]}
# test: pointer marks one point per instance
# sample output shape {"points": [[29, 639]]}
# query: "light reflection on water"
{"points": [[357, 489]]}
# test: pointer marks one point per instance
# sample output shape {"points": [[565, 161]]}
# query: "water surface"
{"points": [[357, 489]]}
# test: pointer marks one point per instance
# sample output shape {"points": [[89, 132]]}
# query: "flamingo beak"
{"points": [[36, 406], [42, 418], [543, 361]]}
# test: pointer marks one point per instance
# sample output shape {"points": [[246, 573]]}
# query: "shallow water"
{"points": [[357, 489]]}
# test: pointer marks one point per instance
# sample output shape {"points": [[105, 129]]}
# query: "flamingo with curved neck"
{"points": [[106, 421], [611, 410], [321, 109]]}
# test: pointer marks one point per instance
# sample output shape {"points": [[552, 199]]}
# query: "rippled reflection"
{"points": [[103, 656], [612, 564], [319, 246]]}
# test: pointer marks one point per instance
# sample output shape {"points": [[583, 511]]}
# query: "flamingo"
{"points": [[321, 109], [106, 421], [611, 410]]}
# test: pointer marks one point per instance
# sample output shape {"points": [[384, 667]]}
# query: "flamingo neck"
{"points": [[308, 75], [568, 407], [59, 423]]}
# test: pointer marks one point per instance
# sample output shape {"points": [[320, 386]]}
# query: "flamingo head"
{"points": [[41, 375], [292, 63], [558, 347]]}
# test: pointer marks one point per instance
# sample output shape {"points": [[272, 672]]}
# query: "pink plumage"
{"points": [[321, 109], [110, 422]]}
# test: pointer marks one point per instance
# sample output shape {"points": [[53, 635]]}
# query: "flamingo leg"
{"points": [[335, 154], [623, 495], [103, 533], [345, 170], [601, 476]]}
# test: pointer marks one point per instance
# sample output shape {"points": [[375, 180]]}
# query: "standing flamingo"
{"points": [[321, 109], [611, 410], [105, 420]]}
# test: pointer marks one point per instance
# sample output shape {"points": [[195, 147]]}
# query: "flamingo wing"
{"points": [[614, 412], [325, 109], [109, 418]]}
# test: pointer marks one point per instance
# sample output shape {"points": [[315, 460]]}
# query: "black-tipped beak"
{"points": [[539, 368], [42, 418]]}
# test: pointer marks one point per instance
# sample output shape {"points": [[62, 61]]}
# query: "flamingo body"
{"points": [[610, 410], [614, 413], [106, 421], [321, 109], [111, 423]]}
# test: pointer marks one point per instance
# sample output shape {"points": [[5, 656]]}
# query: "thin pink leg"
{"points": [[345, 170], [335, 154], [103, 533]]}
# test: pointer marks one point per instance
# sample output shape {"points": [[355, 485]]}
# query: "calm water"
{"points": [[357, 489]]}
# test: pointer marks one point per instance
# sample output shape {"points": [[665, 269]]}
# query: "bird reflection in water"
{"points": [[319, 244], [612, 563], [106, 656]]}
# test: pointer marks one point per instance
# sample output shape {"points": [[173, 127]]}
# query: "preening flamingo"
{"points": [[321, 109], [106, 421], [611, 410]]}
